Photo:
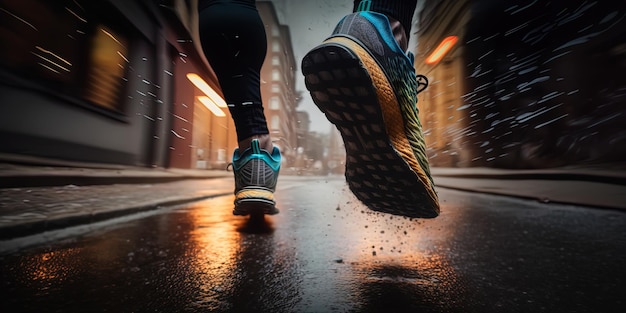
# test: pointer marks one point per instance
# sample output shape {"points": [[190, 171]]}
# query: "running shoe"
{"points": [[256, 173], [367, 87]]}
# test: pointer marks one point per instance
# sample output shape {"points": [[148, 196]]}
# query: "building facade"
{"points": [[443, 123], [125, 83], [278, 83], [540, 85]]}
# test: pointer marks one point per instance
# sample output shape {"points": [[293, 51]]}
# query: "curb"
{"points": [[37, 227], [597, 194], [608, 179], [22, 181]]}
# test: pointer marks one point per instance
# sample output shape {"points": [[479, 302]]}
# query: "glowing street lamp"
{"points": [[441, 50], [212, 99], [210, 104], [208, 91]]}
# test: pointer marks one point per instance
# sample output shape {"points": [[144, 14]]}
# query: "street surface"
{"points": [[326, 253]]}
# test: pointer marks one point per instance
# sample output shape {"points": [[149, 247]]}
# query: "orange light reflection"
{"points": [[441, 50], [215, 246], [50, 266], [384, 248]]}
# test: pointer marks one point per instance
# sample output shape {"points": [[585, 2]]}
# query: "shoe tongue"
{"points": [[256, 148]]}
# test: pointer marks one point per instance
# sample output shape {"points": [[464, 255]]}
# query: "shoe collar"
{"points": [[240, 157], [381, 22]]}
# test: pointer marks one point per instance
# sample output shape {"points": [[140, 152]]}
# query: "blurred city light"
{"points": [[208, 91], [211, 105], [441, 50]]}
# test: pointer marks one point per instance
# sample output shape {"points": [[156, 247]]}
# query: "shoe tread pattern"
{"points": [[376, 173]]}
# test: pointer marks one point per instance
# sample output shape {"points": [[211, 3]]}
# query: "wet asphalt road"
{"points": [[325, 253]]}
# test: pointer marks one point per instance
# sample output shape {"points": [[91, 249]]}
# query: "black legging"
{"points": [[234, 42]]}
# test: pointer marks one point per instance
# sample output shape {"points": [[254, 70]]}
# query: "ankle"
{"points": [[265, 142], [399, 33]]}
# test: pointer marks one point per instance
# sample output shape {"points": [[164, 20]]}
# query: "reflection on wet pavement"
{"points": [[326, 253]]}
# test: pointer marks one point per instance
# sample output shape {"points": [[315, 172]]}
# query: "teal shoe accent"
{"points": [[383, 27], [240, 159], [364, 5]]}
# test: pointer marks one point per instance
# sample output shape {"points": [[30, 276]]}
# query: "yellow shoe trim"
{"points": [[255, 194], [392, 116]]}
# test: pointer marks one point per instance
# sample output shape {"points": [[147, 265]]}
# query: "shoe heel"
{"points": [[340, 86]]}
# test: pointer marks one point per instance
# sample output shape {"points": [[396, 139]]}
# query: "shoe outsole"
{"points": [[254, 207], [376, 171], [255, 201]]}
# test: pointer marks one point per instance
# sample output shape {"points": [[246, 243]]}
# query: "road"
{"points": [[326, 253]]}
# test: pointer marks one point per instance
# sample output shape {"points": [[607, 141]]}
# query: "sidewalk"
{"points": [[35, 199], [17, 175], [602, 186]]}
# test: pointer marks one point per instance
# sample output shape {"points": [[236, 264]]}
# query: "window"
{"points": [[276, 46], [275, 31], [34, 49], [107, 63], [275, 75], [275, 124], [274, 103], [66, 47], [275, 60], [275, 88]]}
